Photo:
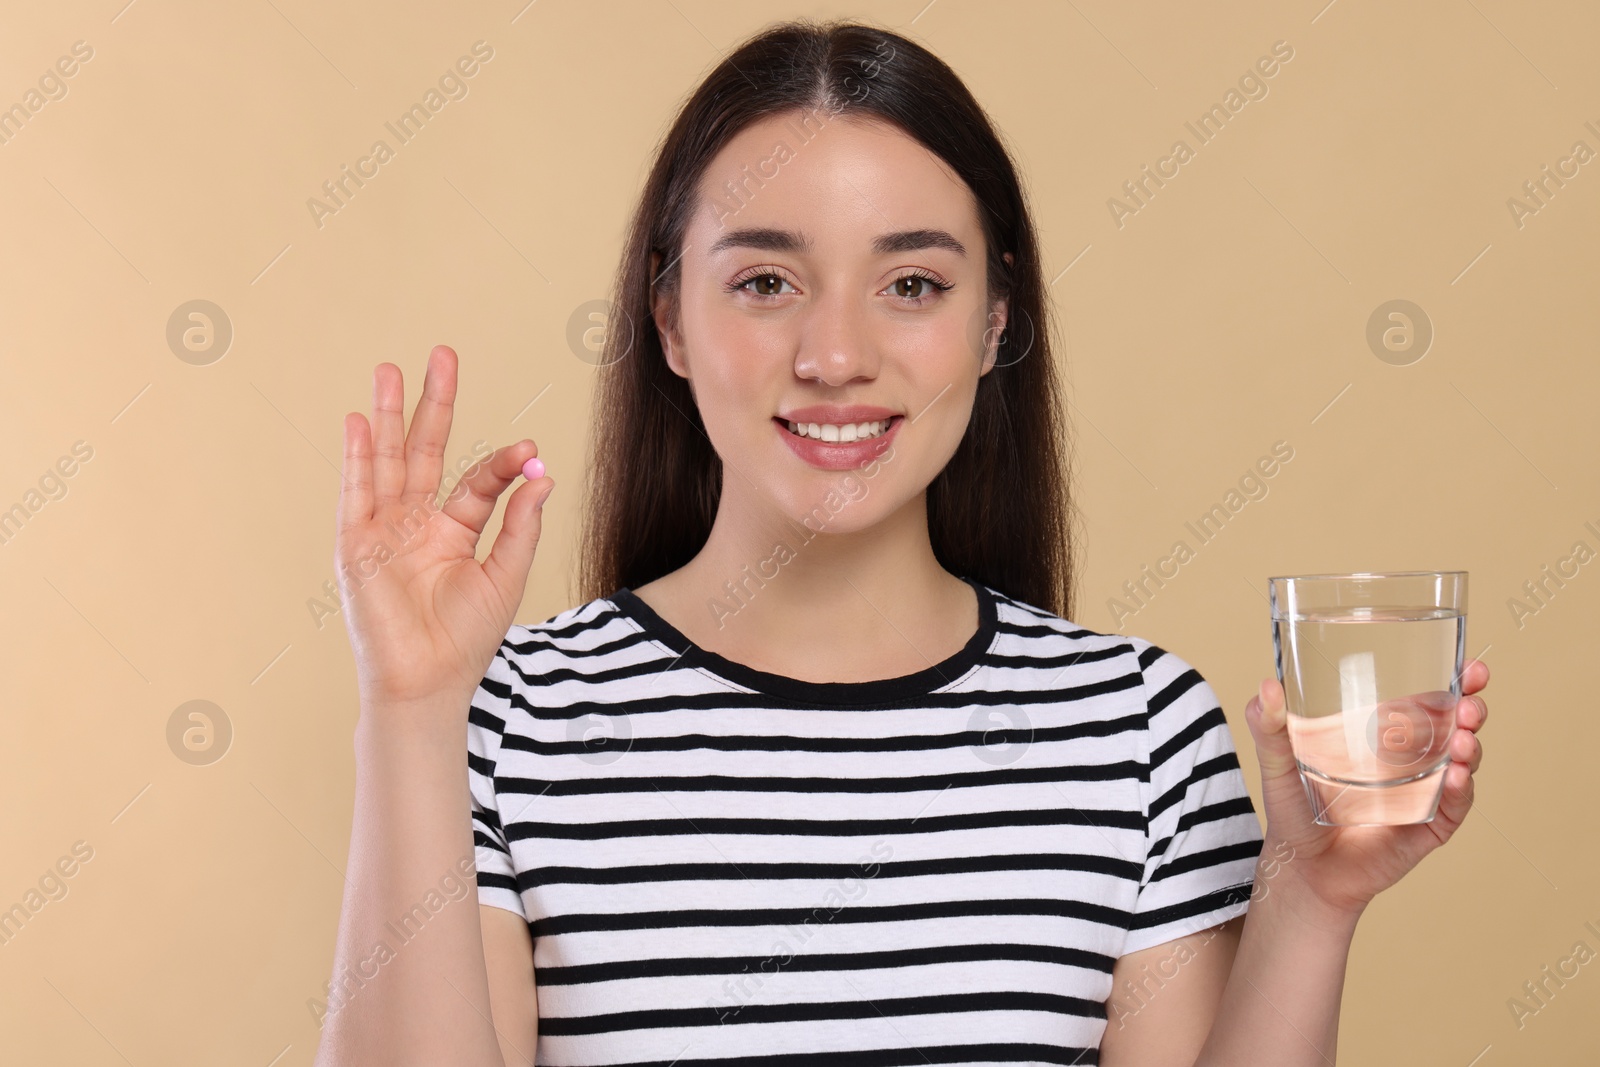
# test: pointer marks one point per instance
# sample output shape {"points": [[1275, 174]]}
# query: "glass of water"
{"points": [[1371, 671]]}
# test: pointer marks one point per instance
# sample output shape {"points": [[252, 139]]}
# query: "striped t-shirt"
{"points": [[723, 865]]}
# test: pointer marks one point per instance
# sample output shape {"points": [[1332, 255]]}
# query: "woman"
{"points": [[820, 771]]}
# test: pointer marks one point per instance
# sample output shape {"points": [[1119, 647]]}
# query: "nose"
{"points": [[835, 345]]}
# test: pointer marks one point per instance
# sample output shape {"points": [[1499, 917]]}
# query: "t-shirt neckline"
{"points": [[876, 691]]}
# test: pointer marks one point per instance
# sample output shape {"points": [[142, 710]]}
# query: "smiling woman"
{"points": [[1042, 799], [899, 808]]}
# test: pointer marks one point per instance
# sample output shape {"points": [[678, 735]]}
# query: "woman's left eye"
{"points": [[925, 282]]}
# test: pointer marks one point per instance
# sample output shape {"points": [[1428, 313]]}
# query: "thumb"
{"points": [[512, 555], [1267, 716]]}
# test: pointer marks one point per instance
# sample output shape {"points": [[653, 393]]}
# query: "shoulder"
{"points": [[566, 650], [1175, 694], [1023, 624], [575, 632], [1031, 629]]}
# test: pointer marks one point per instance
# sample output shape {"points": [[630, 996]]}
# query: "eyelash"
{"points": [[939, 287]]}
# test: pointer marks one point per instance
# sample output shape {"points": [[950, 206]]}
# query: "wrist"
{"points": [[430, 718], [1293, 900]]}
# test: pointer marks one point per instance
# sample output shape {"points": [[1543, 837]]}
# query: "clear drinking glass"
{"points": [[1371, 671]]}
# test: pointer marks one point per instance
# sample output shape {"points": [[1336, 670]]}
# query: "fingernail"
{"points": [[533, 469], [538, 505]]}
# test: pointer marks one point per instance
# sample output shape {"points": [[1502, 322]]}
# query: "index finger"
{"points": [[472, 500], [1474, 676]]}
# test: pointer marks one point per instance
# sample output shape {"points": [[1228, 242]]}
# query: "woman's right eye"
{"points": [[766, 285]]}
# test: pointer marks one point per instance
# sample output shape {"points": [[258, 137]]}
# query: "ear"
{"points": [[662, 312], [999, 312]]}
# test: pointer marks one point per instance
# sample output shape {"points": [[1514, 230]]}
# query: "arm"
{"points": [[1262, 988], [1245, 992], [1270, 993], [513, 999], [507, 937], [1281, 1003], [412, 966], [1203, 849], [1163, 998], [411, 982]]}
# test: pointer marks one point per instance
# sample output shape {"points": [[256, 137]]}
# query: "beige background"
{"points": [[1228, 313]]}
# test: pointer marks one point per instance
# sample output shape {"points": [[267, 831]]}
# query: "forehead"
{"points": [[839, 180]]}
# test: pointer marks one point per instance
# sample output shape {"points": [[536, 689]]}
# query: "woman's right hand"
{"points": [[425, 618]]}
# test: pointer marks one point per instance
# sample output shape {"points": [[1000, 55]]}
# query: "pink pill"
{"points": [[533, 469]]}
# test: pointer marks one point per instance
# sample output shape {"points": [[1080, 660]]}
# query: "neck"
{"points": [[855, 594]]}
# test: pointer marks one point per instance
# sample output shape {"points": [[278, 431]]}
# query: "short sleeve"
{"points": [[486, 723], [1203, 836]]}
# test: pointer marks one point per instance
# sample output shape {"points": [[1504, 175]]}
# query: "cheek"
{"points": [[943, 355], [744, 368], [944, 436], [725, 351], [975, 338], [738, 380]]}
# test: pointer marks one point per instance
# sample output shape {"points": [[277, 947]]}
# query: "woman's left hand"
{"points": [[1346, 866]]}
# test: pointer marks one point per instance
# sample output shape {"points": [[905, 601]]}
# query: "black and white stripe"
{"points": [[721, 864]]}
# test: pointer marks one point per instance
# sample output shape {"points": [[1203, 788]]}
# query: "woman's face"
{"points": [[832, 266]]}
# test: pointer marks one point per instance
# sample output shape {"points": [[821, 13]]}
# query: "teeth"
{"points": [[843, 434]]}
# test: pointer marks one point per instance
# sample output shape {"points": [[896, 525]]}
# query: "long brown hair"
{"points": [[1001, 510]]}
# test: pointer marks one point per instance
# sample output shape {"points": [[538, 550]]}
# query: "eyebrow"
{"points": [[774, 240]]}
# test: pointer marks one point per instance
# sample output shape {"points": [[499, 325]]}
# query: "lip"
{"points": [[837, 455], [839, 414]]}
